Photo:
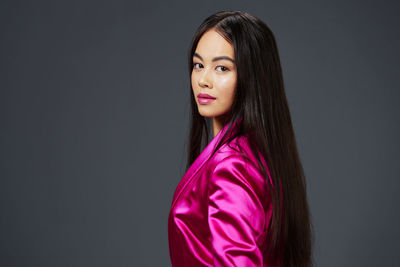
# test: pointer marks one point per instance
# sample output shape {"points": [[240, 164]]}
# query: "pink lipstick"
{"points": [[205, 98]]}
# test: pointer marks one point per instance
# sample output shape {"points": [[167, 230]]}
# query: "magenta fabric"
{"points": [[220, 209]]}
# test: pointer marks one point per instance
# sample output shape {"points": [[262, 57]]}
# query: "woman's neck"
{"points": [[218, 124]]}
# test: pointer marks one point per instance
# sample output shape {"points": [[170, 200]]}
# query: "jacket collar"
{"points": [[202, 158]]}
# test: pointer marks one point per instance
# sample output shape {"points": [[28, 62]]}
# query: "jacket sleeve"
{"points": [[236, 216]]}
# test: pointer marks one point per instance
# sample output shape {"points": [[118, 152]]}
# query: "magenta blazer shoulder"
{"points": [[220, 209]]}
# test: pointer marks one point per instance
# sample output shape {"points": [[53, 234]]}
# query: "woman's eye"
{"points": [[196, 65], [222, 68]]}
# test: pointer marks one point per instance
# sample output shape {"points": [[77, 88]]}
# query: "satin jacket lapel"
{"points": [[200, 160]]}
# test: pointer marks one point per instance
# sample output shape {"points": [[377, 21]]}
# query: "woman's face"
{"points": [[213, 75]]}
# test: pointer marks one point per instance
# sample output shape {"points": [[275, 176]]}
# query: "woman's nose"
{"points": [[205, 78]]}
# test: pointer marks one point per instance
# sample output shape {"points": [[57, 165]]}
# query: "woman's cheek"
{"points": [[228, 84]]}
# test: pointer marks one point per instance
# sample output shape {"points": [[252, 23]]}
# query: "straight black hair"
{"points": [[261, 103]]}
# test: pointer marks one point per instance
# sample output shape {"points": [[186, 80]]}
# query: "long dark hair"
{"points": [[261, 103]]}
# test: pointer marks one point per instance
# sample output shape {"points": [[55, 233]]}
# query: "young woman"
{"points": [[242, 200]]}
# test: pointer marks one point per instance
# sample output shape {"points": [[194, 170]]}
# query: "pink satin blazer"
{"points": [[220, 209]]}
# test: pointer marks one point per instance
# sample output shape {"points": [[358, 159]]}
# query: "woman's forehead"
{"points": [[212, 44]]}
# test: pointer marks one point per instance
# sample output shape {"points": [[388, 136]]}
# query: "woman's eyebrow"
{"points": [[216, 58]]}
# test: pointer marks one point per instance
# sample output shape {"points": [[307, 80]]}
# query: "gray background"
{"points": [[94, 116]]}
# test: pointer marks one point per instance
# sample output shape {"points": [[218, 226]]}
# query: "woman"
{"points": [[242, 200]]}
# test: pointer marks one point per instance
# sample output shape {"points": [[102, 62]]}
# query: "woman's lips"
{"points": [[205, 98]]}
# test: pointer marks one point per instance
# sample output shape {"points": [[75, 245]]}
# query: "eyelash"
{"points": [[226, 69]]}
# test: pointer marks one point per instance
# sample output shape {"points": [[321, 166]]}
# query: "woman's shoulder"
{"points": [[237, 146], [237, 150], [235, 177]]}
